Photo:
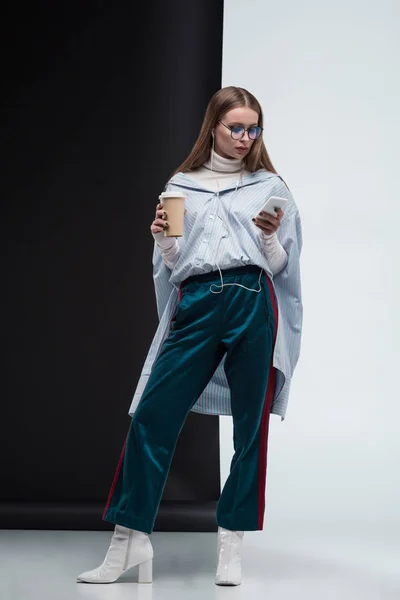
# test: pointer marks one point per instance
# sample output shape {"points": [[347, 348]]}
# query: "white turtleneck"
{"points": [[215, 174], [221, 173]]}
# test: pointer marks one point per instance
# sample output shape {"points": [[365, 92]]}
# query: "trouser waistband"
{"points": [[215, 275]]}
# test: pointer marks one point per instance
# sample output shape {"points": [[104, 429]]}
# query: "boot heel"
{"points": [[146, 571]]}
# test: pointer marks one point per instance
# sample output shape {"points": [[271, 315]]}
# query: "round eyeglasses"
{"points": [[237, 132]]}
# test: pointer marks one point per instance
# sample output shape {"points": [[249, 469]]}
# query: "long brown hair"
{"points": [[221, 102]]}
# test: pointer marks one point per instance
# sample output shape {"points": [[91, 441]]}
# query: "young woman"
{"points": [[220, 347]]}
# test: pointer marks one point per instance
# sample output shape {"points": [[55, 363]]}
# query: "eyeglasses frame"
{"points": [[244, 131]]}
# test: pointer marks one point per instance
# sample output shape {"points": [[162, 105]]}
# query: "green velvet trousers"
{"points": [[240, 325]]}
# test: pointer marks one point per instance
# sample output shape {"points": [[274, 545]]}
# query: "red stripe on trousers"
{"points": [[114, 483], [262, 462], [121, 458]]}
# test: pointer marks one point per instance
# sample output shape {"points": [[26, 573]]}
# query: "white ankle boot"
{"points": [[229, 571], [128, 548]]}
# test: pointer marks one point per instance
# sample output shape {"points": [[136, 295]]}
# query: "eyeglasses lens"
{"points": [[238, 133]]}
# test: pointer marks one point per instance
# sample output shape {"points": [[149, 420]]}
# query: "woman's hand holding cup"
{"points": [[160, 223], [170, 203]]}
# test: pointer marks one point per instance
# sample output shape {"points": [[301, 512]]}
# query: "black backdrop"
{"points": [[100, 105]]}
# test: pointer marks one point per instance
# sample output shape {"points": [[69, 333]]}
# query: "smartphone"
{"points": [[274, 202]]}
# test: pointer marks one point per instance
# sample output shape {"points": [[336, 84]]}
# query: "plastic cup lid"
{"points": [[171, 195]]}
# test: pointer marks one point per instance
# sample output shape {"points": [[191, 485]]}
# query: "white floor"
{"points": [[280, 563]]}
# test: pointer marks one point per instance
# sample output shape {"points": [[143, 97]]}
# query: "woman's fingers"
{"points": [[160, 222], [161, 214], [159, 225], [268, 230], [268, 223], [266, 218]]}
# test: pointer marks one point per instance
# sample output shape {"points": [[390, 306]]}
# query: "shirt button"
{"points": [[205, 240], [211, 216]]}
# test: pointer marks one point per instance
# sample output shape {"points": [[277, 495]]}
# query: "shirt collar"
{"points": [[184, 180]]}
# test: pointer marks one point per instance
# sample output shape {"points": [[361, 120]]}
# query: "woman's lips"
{"points": [[241, 148]]}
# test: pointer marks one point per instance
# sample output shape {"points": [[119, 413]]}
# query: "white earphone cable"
{"points": [[222, 284]]}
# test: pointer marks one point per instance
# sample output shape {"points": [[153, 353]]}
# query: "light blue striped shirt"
{"points": [[219, 231]]}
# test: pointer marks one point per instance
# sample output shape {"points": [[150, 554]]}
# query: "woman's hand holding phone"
{"points": [[270, 216]]}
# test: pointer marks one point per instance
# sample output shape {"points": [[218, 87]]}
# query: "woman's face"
{"points": [[224, 144]]}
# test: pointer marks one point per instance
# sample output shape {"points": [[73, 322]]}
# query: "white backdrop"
{"points": [[327, 77]]}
